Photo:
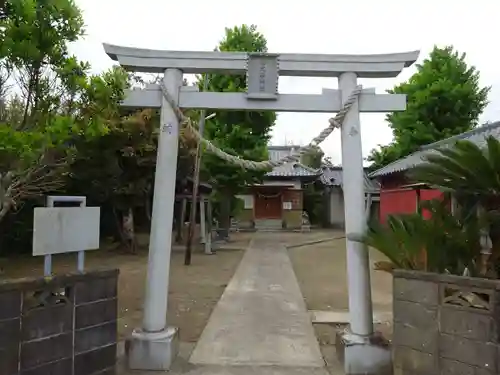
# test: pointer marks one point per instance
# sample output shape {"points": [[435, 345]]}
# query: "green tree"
{"points": [[116, 172], [245, 134], [60, 102], [313, 158], [313, 192], [444, 98]]}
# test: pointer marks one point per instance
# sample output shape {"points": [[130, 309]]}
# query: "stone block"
{"points": [[292, 219], [11, 304], [368, 356], [95, 313], [9, 359], [10, 332], [449, 367], [413, 290], [495, 313], [424, 340], [400, 371], [95, 289], [414, 361], [417, 315], [475, 353], [39, 352], [62, 367], [153, 351], [95, 337], [95, 361], [47, 321], [110, 371], [466, 323]]}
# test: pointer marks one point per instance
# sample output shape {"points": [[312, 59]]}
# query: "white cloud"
{"points": [[315, 26]]}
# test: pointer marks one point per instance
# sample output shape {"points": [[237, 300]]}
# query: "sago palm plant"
{"points": [[467, 170], [442, 244], [446, 243]]}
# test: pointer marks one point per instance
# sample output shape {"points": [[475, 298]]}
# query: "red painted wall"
{"points": [[397, 200], [393, 202], [428, 194]]}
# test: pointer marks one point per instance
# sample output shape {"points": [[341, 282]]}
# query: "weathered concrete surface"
{"points": [[181, 366], [261, 319], [342, 317]]}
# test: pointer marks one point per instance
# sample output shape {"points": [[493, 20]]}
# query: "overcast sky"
{"points": [[313, 26]]}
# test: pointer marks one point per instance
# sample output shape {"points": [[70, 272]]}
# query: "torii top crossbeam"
{"points": [[305, 65]]}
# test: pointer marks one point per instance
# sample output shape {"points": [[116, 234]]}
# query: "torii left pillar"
{"points": [[155, 345]]}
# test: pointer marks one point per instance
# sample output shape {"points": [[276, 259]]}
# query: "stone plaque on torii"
{"points": [[153, 346]]}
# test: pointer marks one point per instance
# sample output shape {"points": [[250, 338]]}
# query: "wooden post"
{"points": [[202, 220], [182, 216], [208, 243], [196, 183]]}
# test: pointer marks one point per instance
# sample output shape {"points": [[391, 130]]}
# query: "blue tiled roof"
{"points": [[333, 176], [293, 169], [477, 136]]}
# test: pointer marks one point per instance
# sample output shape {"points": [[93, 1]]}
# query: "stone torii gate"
{"points": [[154, 345]]}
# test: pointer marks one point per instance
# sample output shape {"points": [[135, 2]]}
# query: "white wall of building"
{"points": [[278, 154]]}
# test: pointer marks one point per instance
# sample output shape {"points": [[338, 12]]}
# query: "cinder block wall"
{"points": [[62, 326], [437, 332]]}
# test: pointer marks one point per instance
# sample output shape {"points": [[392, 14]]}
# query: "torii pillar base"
{"points": [[364, 355], [152, 351]]}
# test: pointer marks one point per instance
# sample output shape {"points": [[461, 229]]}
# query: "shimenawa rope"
{"points": [[333, 123]]}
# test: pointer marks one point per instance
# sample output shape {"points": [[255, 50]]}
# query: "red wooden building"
{"points": [[399, 195], [277, 202]]}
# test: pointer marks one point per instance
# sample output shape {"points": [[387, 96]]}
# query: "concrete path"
{"points": [[261, 319]]}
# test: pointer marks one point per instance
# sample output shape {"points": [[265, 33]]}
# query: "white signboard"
{"points": [[247, 201], [287, 205], [58, 230]]}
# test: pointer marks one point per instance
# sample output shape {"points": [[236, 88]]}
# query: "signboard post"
{"points": [[58, 230]]}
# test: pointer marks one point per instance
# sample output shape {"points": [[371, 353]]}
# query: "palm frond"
{"points": [[465, 168]]}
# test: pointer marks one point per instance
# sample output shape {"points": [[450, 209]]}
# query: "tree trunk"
{"points": [[125, 228], [5, 201], [147, 206], [225, 216], [118, 226], [208, 242], [129, 231], [31, 97], [4, 209], [180, 221], [28, 101], [36, 98]]}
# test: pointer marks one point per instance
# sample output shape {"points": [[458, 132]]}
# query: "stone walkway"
{"points": [[260, 326], [261, 319]]}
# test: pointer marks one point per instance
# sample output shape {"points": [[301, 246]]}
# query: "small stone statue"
{"points": [[305, 218]]}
